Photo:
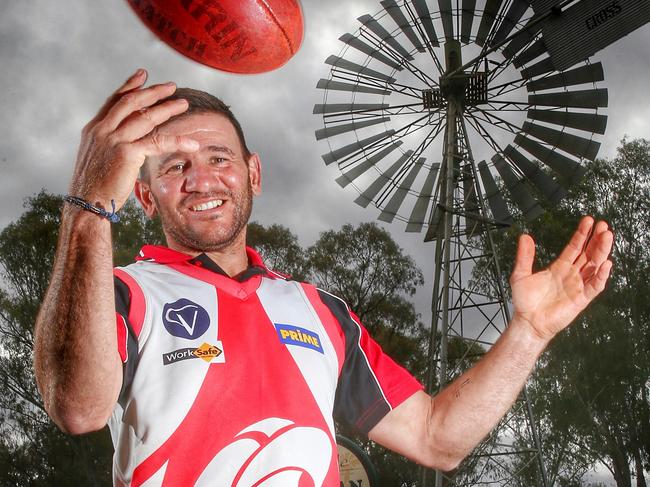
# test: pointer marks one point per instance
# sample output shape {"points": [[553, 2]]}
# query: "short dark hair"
{"points": [[202, 102]]}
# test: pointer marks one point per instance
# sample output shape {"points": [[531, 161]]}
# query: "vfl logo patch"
{"points": [[185, 319], [294, 335], [207, 352]]}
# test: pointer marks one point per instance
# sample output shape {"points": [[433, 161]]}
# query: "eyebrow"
{"points": [[210, 148], [220, 148]]}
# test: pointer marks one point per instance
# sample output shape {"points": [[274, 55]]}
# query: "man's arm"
{"points": [[439, 432], [76, 359]]}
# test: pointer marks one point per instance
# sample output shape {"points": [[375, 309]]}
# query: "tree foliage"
{"points": [[279, 248], [590, 394], [32, 450], [364, 266]]}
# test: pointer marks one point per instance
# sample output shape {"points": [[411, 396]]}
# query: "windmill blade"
{"points": [[391, 209], [518, 189], [359, 145], [350, 175], [328, 84], [541, 67], [523, 38], [425, 19], [573, 144], [470, 202], [590, 73], [594, 98], [398, 17], [542, 181], [325, 108], [374, 26], [589, 122], [416, 220], [371, 192], [359, 45], [348, 127], [495, 199], [567, 168], [489, 16], [469, 6], [444, 7], [514, 14], [535, 50], [339, 62]]}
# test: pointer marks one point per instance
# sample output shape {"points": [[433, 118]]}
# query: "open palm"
{"points": [[551, 299]]}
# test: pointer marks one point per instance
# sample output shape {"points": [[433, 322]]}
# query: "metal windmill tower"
{"points": [[428, 105]]}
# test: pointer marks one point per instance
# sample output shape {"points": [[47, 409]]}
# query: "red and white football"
{"points": [[239, 36]]}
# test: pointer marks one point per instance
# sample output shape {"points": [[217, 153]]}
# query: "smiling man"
{"points": [[211, 369], [216, 185]]}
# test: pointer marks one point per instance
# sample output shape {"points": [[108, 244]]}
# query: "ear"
{"points": [[255, 173], [145, 197]]}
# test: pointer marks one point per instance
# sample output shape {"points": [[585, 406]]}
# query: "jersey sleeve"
{"points": [[370, 383], [128, 321]]}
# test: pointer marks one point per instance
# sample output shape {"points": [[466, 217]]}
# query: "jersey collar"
{"points": [[164, 255]]}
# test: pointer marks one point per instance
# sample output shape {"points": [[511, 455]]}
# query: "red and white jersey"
{"points": [[235, 382]]}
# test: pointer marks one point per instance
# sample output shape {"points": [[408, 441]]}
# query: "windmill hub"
{"points": [[453, 88]]}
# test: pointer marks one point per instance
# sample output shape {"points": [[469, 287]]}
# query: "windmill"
{"points": [[457, 119]]}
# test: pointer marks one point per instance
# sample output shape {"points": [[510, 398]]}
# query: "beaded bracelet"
{"points": [[112, 217]]}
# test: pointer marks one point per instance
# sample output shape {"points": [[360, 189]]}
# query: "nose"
{"points": [[200, 178]]}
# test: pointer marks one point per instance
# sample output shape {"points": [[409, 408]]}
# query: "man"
{"points": [[221, 372]]}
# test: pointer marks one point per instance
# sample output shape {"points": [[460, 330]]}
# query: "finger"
{"points": [[598, 254], [595, 285], [134, 101], [576, 245], [524, 259], [158, 144], [600, 243], [597, 249], [136, 80], [145, 120]]}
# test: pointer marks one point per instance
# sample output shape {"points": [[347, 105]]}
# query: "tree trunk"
{"points": [[640, 478], [620, 463]]}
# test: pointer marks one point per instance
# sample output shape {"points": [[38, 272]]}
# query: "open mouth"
{"points": [[207, 205]]}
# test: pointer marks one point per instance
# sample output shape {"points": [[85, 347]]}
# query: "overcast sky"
{"points": [[60, 59]]}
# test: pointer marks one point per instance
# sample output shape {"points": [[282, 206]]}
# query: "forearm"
{"points": [[463, 413], [78, 369]]}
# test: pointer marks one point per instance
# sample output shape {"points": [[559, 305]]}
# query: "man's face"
{"points": [[204, 198]]}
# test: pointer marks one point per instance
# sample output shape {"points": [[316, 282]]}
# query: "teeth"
{"points": [[208, 206]]}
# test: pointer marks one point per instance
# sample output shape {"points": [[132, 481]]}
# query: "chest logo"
{"points": [[185, 319], [207, 352], [294, 335]]}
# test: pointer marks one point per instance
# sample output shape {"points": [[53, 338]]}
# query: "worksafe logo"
{"points": [[294, 335], [185, 319], [208, 353]]}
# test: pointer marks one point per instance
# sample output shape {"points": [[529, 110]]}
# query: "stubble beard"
{"points": [[220, 238]]}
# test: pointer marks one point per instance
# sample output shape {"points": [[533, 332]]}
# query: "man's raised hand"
{"points": [[115, 143], [549, 300]]}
